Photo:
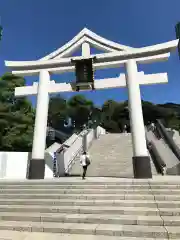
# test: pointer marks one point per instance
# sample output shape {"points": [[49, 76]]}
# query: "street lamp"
{"points": [[177, 27], [1, 30]]}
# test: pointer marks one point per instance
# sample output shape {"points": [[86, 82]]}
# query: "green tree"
{"points": [[57, 112], [121, 115], [108, 111], [174, 123], [80, 110], [152, 112], [96, 116], [16, 116]]}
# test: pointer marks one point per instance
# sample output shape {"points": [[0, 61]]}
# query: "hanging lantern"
{"points": [[84, 74], [177, 27]]}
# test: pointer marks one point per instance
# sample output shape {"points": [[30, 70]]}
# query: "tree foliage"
{"points": [[16, 116], [57, 112], [113, 116], [77, 108]]}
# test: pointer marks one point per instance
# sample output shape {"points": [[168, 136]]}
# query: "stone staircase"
{"points": [[93, 209], [111, 156]]}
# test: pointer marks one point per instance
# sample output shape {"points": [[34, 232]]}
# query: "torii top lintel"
{"points": [[92, 38], [115, 54]]}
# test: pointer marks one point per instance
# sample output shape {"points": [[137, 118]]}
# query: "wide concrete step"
{"points": [[16, 235], [108, 174], [85, 202], [92, 191], [93, 186], [93, 196], [115, 165], [95, 229], [130, 209], [111, 168], [119, 168], [92, 218], [92, 210], [163, 180]]}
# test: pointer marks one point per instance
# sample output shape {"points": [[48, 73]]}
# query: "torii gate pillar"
{"points": [[37, 163], [141, 159]]}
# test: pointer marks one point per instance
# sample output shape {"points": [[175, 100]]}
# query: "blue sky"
{"points": [[33, 29]]}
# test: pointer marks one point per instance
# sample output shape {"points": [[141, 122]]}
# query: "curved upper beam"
{"points": [[86, 33], [100, 58], [68, 52]]}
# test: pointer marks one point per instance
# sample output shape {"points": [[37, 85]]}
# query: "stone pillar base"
{"points": [[36, 169], [142, 167]]}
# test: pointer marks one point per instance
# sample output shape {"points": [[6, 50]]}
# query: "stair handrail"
{"points": [[168, 139], [154, 152], [82, 134], [65, 145]]}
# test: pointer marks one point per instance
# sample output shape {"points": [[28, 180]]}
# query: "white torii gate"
{"points": [[115, 55]]}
